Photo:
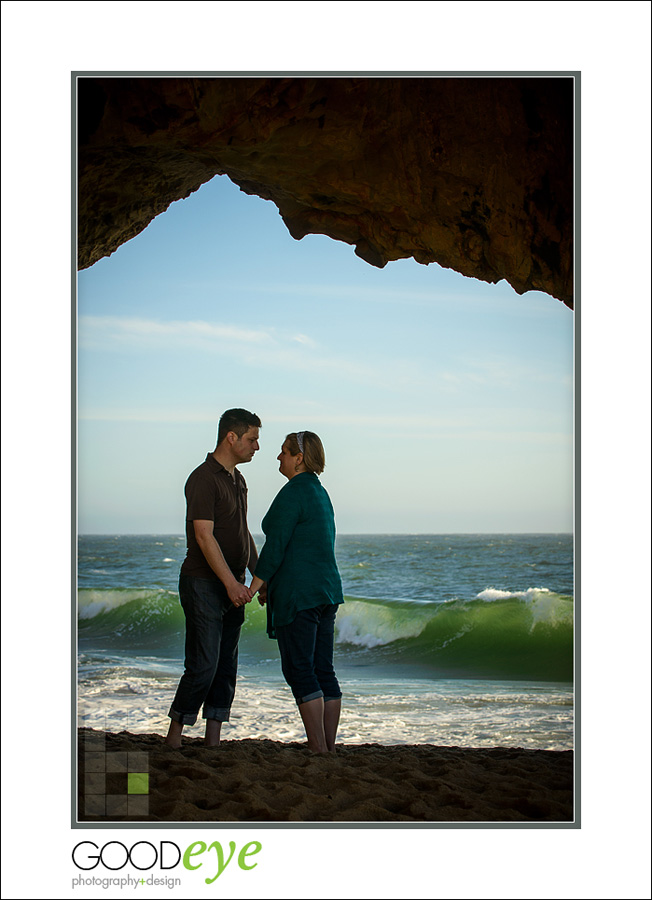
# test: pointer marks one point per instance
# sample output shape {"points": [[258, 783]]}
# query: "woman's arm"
{"points": [[279, 525], [255, 588]]}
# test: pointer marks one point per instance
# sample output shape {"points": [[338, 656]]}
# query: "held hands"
{"points": [[239, 594], [258, 587]]}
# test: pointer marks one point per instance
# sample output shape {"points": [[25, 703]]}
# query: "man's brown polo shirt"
{"points": [[212, 494]]}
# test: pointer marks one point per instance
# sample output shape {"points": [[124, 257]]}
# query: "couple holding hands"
{"points": [[296, 577]]}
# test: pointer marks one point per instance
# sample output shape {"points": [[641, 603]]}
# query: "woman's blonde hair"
{"points": [[314, 457]]}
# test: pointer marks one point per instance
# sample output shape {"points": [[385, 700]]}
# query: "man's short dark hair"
{"points": [[237, 420]]}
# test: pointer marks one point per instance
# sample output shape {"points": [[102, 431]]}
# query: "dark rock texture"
{"points": [[475, 174]]}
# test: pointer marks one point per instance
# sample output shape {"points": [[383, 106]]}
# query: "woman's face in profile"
{"points": [[287, 462]]}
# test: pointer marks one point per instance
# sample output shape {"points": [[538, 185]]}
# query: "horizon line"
{"points": [[339, 533]]}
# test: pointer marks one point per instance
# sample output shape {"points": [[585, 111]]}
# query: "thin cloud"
{"points": [[262, 348], [497, 372], [113, 331], [353, 292], [461, 427], [304, 339], [533, 304]]}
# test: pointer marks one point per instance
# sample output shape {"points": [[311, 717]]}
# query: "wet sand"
{"points": [[137, 778]]}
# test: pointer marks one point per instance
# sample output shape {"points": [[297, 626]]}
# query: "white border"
{"points": [[609, 43]]}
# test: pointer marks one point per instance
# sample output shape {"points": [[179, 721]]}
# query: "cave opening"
{"points": [[409, 369]]}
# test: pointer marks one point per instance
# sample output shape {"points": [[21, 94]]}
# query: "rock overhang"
{"points": [[473, 173]]}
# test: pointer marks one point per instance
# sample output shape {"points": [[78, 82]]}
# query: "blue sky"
{"points": [[445, 404]]}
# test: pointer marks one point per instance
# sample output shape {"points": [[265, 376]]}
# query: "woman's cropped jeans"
{"points": [[306, 648]]}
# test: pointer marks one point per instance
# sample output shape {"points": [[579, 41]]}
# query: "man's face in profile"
{"points": [[245, 447]]}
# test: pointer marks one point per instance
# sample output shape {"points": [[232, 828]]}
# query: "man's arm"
{"points": [[238, 593], [253, 555], [261, 588]]}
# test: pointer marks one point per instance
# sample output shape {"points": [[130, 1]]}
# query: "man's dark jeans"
{"points": [[213, 626]]}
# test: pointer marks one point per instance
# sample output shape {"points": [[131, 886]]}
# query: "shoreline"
{"points": [[382, 706], [136, 778]]}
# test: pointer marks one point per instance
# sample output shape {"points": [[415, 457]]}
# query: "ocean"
{"points": [[455, 640]]}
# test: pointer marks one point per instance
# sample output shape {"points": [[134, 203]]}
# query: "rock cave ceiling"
{"points": [[475, 174]]}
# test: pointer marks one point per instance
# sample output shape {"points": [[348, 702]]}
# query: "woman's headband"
{"points": [[300, 435]]}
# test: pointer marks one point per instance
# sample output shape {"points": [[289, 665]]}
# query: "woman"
{"points": [[303, 586]]}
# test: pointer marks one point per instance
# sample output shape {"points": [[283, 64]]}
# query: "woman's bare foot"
{"points": [[316, 750]]}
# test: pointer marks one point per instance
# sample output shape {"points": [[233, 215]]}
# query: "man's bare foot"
{"points": [[212, 736], [173, 738]]}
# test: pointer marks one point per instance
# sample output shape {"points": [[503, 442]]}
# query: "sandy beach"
{"points": [[136, 778]]}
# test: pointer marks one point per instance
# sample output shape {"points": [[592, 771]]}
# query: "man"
{"points": [[211, 583]]}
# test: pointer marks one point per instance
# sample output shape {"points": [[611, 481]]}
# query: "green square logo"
{"points": [[138, 783]]}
